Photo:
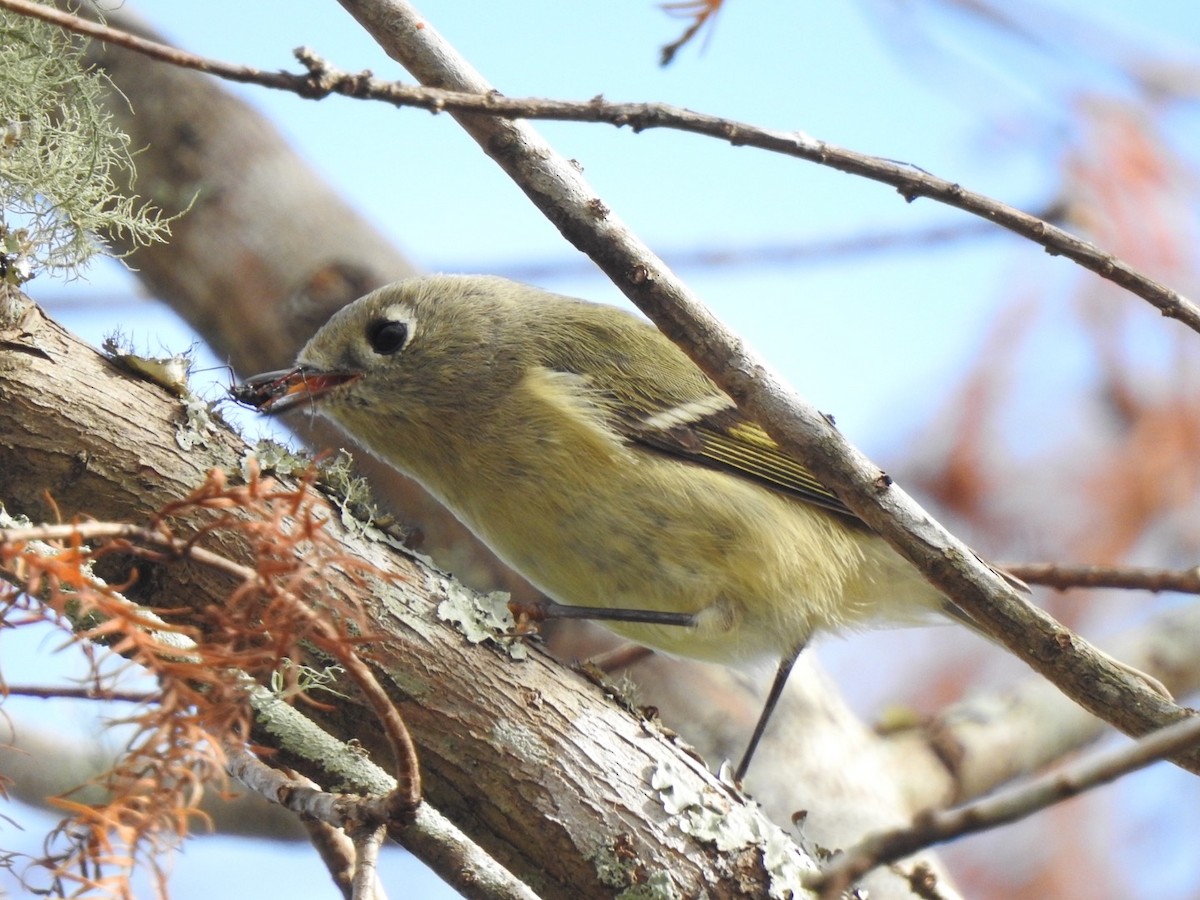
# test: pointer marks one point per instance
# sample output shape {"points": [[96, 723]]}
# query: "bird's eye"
{"points": [[387, 336]]}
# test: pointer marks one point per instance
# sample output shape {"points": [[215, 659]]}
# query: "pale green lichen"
{"points": [[292, 678], [783, 863], [481, 617], [357, 509], [611, 871], [526, 743], [349, 493], [656, 887], [274, 457], [197, 424], [703, 813], [17, 264], [61, 157], [626, 874], [337, 473]]}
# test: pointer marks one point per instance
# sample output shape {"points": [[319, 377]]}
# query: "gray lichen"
{"points": [[61, 157], [481, 617], [703, 813]]}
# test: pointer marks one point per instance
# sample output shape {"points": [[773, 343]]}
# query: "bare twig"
{"points": [[347, 813], [153, 49], [1063, 577], [991, 738], [79, 693], [301, 796], [1001, 809], [757, 256], [336, 851], [536, 270], [430, 836], [911, 181], [366, 886]]}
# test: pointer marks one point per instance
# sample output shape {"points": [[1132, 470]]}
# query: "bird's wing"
{"points": [[728, 441], [655, 397]]}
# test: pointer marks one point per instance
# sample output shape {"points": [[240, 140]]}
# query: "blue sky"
{"points": [[826, 69], [875, 341]]}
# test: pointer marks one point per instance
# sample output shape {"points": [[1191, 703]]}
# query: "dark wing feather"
{"points": [[659, 399], [728, 441]]}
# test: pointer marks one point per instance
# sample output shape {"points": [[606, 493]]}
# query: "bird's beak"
{"points": [[276, 392]]}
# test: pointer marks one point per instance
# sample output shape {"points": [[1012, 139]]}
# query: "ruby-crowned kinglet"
{"points": [[599, 462]]}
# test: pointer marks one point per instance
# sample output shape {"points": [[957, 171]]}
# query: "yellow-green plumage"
{"points": [[592, 456]]}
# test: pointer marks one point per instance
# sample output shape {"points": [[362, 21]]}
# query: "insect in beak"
{"points": [[275, 392]]}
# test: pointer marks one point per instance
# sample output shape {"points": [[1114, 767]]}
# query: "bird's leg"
{"points": [[527, 613], [777, 686]]}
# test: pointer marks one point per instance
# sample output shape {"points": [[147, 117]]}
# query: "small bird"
{"points": [[593, 457]]}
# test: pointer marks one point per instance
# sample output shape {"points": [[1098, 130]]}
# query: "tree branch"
{"points": [[1004, 808], [911, 181], [429, 836], [994, 737], [1137, 578], [78, 693], [336, 851], [338, 812], [816, 251]]}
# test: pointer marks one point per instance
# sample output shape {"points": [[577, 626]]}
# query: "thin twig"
{"points": [[79, 693], [1063, 577], [300, 796], [988, 739], [911, 181], [826, 251], [348, 813], [153, 49], [336, 851], [538, 270], [1003, 808], [367, 843], [430, 836]]}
